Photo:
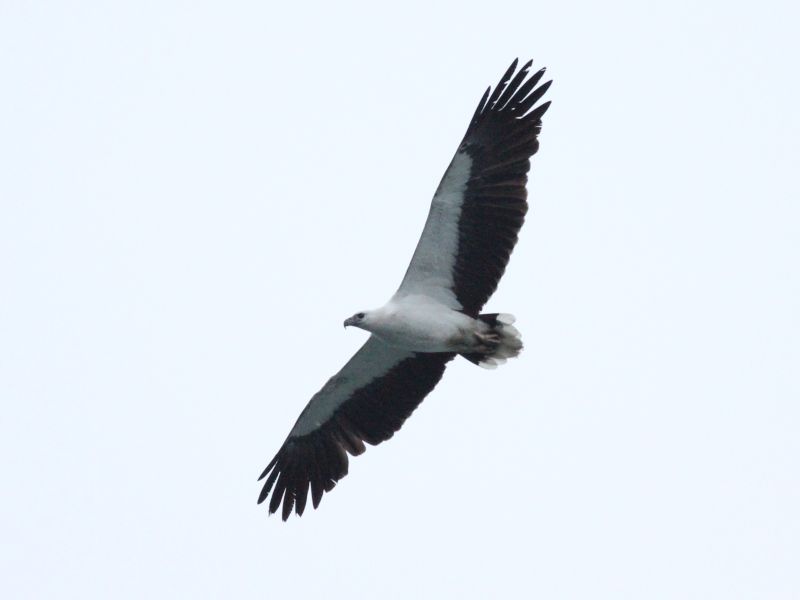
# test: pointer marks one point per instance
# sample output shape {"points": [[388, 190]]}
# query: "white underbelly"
{"points": [[422, 325]]}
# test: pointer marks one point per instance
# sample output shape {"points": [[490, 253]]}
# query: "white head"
{"points": [[362, 320]]}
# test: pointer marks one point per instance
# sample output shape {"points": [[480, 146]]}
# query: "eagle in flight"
{"points": [[472, 226]]}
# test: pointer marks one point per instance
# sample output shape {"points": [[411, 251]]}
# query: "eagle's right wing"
{"points": [[367, 401]]}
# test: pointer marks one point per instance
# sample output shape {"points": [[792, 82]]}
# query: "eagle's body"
{"points": [[422, 324], [472, 227]]}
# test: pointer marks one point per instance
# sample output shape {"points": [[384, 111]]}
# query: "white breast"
{"points": [[421, 324]]}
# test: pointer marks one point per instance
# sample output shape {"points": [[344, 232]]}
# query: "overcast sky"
{"points": [[194, 196]]}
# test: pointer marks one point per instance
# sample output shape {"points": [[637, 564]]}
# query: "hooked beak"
{"points": [[349, 322]]}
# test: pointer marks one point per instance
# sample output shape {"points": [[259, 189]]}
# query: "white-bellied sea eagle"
{"points": [[472, 227]]}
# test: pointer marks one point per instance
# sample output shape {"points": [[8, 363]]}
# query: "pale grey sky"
{"points": [[195, 195]]}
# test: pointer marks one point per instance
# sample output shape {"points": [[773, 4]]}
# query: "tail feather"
{"points": [[497, 344]]}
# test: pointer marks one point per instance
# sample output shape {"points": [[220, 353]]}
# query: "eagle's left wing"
{"points": [[480, 204]]}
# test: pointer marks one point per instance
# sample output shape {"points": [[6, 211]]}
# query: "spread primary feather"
{"points": [[475, 216]]}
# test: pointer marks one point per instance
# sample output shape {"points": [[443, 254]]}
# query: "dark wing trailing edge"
{"points": [[472, 228], [482, 196], [501, 138], [367, 401]]}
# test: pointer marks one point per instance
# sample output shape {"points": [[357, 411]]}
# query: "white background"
{"points": [[195, 195]]}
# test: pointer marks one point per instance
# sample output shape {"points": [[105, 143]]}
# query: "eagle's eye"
{"points": [[360, 315]]}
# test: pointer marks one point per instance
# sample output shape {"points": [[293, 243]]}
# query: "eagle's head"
{"points": [[358, 320]]}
